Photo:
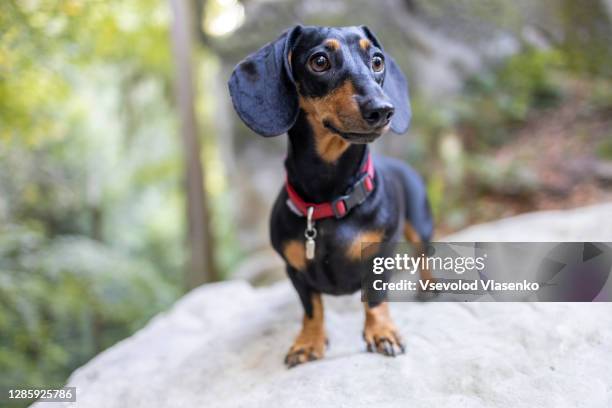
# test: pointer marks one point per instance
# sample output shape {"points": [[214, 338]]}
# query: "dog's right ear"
{"points": [[262, 87]]}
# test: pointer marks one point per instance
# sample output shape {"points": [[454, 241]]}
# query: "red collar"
{"points": [[342, 205]]}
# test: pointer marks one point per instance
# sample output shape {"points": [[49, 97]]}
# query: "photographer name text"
{"points": [[455, 286]]}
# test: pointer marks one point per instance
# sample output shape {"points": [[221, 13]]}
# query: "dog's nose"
{"points": [[377, 113]]}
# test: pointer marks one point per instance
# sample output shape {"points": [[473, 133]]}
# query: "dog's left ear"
{"points": [[262, 87], [396, 87]]}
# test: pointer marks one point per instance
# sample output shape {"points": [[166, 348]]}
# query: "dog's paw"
{"points": [[305, 349], [383, 338]]}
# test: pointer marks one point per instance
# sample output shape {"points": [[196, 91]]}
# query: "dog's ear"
{"points": [[262, 87], [396, 87]]}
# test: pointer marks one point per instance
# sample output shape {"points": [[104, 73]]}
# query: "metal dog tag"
{"points": [[310, 248], [310, 234]]}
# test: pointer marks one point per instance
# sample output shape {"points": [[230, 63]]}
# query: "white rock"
{"points": [[223, 345], [592, 224]]}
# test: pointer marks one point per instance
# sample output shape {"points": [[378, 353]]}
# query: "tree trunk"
{"points": [[201, 266]]}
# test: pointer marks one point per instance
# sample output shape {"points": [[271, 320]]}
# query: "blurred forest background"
{"points": [[126, 178]]}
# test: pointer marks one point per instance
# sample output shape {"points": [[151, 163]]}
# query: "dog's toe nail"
{"points": [[388, 348], [383, 346]]}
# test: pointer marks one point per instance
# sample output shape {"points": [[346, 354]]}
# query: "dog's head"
{"points": [[341, 78]]}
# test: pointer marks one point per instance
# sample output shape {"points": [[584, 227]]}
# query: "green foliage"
{"points": [[488, 175], [497, 100], [91, 223], [600, 97], [493, 102], [75, 276], [604, 149], [65, 300], [586, 41], [43, 44], [484, 116]]}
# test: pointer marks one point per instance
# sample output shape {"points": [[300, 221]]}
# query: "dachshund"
{"points": [[334, 91]]}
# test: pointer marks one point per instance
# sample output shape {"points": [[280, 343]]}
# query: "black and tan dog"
{"points": [[333, 90]]}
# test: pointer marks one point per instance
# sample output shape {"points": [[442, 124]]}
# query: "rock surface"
{"points": [[592, 223], [223, 345]]}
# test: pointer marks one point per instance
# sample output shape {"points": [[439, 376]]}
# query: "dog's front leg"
{"points": [[380, 332], [310, 344]]}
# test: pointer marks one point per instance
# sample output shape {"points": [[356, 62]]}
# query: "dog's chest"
{"points": [[339, 250]]}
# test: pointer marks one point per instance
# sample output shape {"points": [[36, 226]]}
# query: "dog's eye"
{"points": [[378, 64], [319, 63]]}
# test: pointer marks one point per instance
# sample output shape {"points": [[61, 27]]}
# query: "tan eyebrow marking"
{"points": [[364, 43], [333, 44]]}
